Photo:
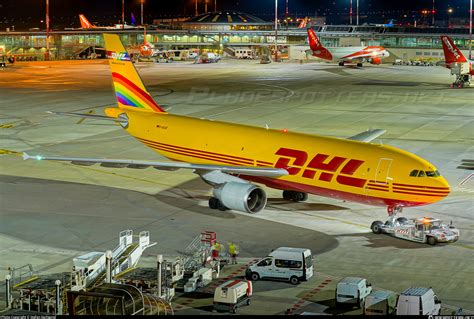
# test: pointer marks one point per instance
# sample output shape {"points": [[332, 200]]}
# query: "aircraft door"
{"points": [[383, 170]]}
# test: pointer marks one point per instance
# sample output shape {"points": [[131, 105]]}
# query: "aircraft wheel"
{"points": [[341, 63], [287, 195], [359, 65], [300, 197], [213, 203], [221, 206]]}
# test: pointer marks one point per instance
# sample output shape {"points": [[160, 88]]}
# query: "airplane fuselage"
{"points": [[332, 167]]}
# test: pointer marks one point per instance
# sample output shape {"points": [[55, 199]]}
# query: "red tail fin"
{"points": [[303, 23], [451, 53], [85, 24], [314, 42]]}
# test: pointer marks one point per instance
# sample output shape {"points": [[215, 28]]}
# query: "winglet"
{"points": [[26, 156], [367, 136]]}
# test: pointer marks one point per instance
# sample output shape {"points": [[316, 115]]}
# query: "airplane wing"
{"points": [[170, 166], [90, 116], [367, 136]]}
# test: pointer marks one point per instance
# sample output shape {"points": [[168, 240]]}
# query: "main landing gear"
{"points": [[341, 63], [295, 196], [214, 203], [359, 65]]}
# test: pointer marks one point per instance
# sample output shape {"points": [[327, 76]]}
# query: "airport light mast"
{"points": [[196, 11], [141, 5], [350, 12], [123, 14], [276, 30], [470, 30], [433, 14], [357, 17], [47, 30]]}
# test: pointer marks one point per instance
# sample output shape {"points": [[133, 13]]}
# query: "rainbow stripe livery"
{"points": [[129, 89], [129, 94]]}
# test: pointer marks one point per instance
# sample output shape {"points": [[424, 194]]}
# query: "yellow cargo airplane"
{"points": [[231, 156]]}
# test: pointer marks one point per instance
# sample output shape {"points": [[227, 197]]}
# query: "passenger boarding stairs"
{"points": [[198, 251], [90, 269]]}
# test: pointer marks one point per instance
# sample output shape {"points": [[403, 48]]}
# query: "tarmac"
{"points": [[51, 211]]}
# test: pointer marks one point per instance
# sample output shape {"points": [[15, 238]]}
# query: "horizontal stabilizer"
{"points": [[90, 116], [367, 136], [120, 163]]}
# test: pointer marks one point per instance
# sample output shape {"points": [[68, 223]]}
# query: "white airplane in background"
{"points": [[342, 55]]}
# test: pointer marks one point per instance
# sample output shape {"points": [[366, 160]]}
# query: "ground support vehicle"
{"points": [[423, 230]]}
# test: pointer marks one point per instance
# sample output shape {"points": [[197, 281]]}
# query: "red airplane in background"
{"points": [[342, 55], [457, 63]]}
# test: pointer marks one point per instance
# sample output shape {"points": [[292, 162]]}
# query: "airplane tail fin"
{"points": [[314, 42], [129, 89], [303, 23], [85, 24], [451, 53]]}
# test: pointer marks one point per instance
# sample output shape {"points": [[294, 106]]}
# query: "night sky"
{"points": [[109, 11]]}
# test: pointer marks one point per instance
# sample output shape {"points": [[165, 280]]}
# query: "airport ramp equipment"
{"points": [[116, 299], [90, 269]]}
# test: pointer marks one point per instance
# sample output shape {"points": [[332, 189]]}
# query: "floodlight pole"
{"points": [[123, 14], [141, 4], [215, 5], [433, 14], [357, 20], [47, 30], [196, 5], [350, 13], [470, 30], [276, 30]]}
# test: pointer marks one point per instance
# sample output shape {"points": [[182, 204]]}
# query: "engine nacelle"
{"points": [[242, 197], [375, 61]]}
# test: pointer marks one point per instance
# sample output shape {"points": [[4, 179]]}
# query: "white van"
{"points": [[284, 263], [418, 301], [352, 291], [381, 302]]}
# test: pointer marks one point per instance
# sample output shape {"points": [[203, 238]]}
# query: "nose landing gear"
{"points": [[295, 196]]}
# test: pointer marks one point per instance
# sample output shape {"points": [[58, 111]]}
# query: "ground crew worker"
{"points": [[216, 249], [233, 252]]}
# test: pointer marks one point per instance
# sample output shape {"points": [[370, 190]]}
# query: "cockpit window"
{"points": [[414, 173], [432, 173], [421, 174]]}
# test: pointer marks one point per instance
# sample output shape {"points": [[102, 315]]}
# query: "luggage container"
{"points": [[232, 294]]}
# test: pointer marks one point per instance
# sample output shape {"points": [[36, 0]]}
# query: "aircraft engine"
{"points": [[242, 197], [375, 61]]}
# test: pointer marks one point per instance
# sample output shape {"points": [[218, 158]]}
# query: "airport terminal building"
{"points": [[226, 31]]}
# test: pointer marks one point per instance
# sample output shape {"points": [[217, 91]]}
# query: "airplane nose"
{"points": [[443, 185]]}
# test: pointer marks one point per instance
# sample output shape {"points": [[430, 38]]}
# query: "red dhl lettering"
{"points": [[294, 161]]}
